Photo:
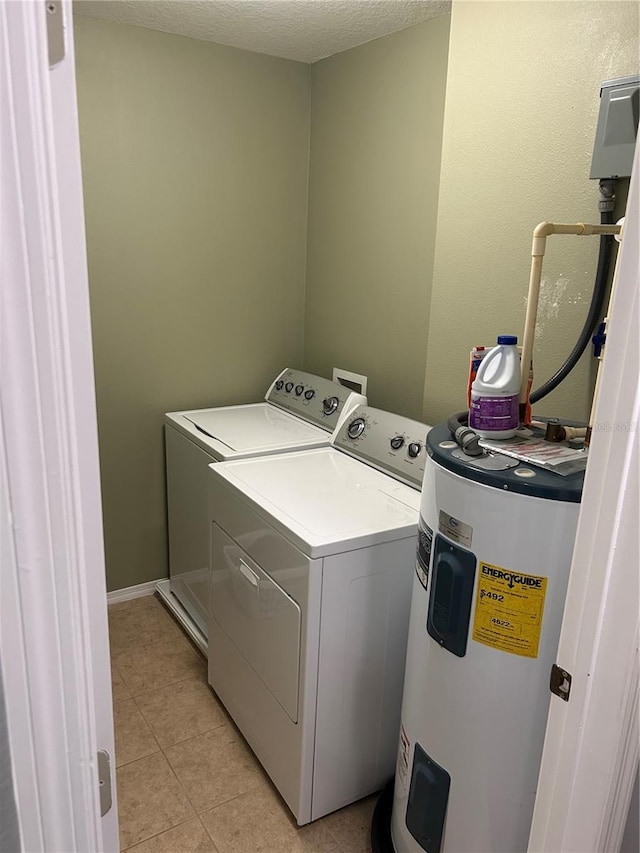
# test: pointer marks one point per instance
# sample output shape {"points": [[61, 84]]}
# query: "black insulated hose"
{"points": [[593, 315], [465, 438]]}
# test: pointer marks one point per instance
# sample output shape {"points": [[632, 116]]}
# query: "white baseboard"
{"points": [[130, 592]]}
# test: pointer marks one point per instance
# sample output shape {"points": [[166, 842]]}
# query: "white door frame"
{"points": [[54, 650], [592, 743]]}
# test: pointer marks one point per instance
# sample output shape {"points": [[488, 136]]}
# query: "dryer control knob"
{"points": [[299, 390], [310, 394], [356, 428], [414, 449], [397, 442], [279, 385], [288, 387], [329, 405]]}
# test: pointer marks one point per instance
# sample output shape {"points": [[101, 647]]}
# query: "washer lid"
{"points": [[253, 429], [323, 500]]}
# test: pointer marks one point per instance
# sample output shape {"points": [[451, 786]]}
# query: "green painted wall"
{"points": [[520, 115], [195, 162], [209, 196], [376, 131]]}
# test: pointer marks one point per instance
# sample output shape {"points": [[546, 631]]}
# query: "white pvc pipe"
{"points": [[540, 234]]}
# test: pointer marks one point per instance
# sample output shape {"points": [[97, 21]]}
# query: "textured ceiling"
{"points": [[305, 30]]}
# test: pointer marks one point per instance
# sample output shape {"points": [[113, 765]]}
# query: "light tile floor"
{"points": [[187, 781]]}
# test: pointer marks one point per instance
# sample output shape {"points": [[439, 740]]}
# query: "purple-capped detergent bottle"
{"points": [[495, 391]]}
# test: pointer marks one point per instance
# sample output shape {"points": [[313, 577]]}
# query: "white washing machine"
{"points": [[300, 411], [312, 556]]}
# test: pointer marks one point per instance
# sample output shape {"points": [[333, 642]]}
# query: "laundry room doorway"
{"points": [[57, 775]]}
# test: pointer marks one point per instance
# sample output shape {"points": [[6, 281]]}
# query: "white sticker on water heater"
{"points": [[454, 529], [423, 552]]}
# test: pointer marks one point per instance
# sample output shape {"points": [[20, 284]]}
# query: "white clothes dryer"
{"points": [[312, 556], [300, 411]]}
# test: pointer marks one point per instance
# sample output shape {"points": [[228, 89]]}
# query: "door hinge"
{"points": [[55, 31], [560, 682], [104, 781]]}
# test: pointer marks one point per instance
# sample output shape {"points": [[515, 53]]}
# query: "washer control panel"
{"points": [[314, 398], [392, 443]]}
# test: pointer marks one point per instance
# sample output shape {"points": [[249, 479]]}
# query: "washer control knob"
{"points": [[279, 385], [356, 428], [329, 405], [310, 394], [414, 449], [288, 387], [299, 390], [397, 442]]}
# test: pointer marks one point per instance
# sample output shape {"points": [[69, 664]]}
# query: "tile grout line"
{"points": [[226, 802], [191, 737], [157, 834], [208, 834], [161, 687], [148, 722], [163, 749], [228, 722], [191, 803], [127, 647], [148, 646], [151, 732], [115, 669], [143, 693]]}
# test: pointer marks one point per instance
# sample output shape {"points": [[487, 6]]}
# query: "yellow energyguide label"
{"points": [[509, 610]]}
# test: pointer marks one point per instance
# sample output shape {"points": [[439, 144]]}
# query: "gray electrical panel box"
{"points": [[617, 128]]}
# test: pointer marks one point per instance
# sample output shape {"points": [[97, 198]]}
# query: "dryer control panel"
{"points": [[314, 398], [392, 443]]}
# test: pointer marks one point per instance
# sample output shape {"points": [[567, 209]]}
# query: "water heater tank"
{"points": [[492, 568]]}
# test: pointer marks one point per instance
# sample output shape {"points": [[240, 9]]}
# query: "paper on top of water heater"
{"points": [[536, 451]]}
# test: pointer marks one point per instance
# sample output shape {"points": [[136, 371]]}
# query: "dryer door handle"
{"points": [[248, 573]]}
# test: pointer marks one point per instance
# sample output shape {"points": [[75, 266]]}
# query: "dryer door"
{"points": [[259, 617]]}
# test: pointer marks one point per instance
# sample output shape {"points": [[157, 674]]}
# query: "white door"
{"points": [[54, 655], [592, 742]]}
